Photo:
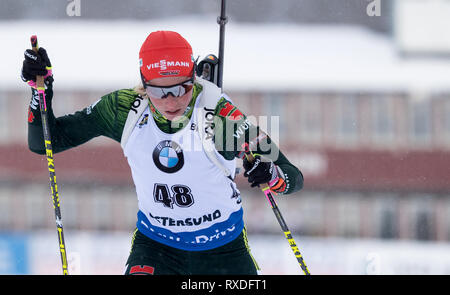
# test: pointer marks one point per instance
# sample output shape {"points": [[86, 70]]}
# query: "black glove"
{"points": [[259, 172], [36, 64]]}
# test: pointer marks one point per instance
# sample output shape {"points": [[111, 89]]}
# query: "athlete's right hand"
{"points": [[36, 64]]}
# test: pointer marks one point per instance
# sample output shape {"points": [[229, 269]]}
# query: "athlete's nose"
{"points": [[171, 101], [171, 98]]}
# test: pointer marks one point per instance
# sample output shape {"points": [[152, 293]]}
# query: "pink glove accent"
{"points": [[274, 181], [49, 73], [32, 83]]}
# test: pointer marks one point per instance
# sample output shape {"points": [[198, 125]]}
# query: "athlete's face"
{"points": [[171, 107]]}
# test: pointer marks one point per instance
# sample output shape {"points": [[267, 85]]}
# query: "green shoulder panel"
{"points": [[112, 111], [230, 129]]}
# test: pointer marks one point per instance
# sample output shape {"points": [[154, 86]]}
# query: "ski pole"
{"points": [[284, 227], [50, 161], [221, 20]]}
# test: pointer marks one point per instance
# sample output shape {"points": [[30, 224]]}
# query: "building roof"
{"points": [[281, 57]]}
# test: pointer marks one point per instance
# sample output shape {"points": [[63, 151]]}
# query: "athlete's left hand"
{"points": [[259, 171], [36, 64]]}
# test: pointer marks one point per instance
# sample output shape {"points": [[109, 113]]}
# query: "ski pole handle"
{"points": [[35, 47]]}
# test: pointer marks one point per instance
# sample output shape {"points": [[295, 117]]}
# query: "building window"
{"points": [[348, 124], [385, 209], [388, 227], [310, 119], [420, 121], [349, 214], [425, 221], [382, 120], [446, 120], [4, 124], [424, 226]]}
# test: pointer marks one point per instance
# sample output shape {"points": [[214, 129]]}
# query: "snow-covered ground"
{"points": [[105, 253]]}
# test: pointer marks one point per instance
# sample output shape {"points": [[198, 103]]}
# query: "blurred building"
{"points": [[371, 134], [346, 12]]}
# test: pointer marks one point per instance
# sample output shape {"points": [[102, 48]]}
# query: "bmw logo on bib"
{"points": [[168, 156]]}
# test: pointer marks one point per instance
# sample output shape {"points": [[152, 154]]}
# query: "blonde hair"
{"points": [[140, 90]]}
